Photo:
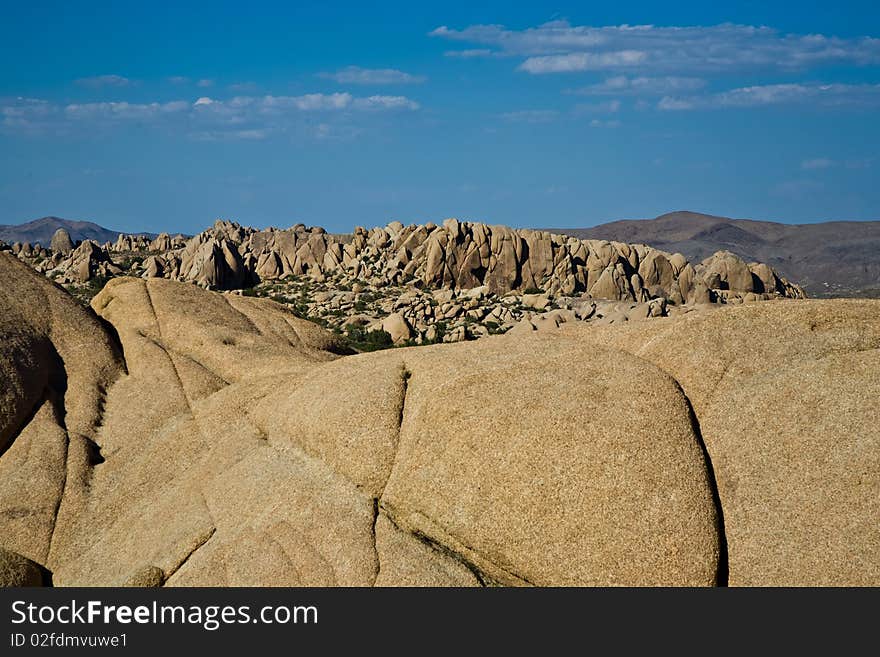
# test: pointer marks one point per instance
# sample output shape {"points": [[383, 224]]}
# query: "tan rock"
{"points": [[56, 362], [146, 577], [397, 327], [589, 522], [161, 243], [612, 284], [232, 446], [61, 242], [787, 423], [536, 301], [656, 270], [731, 271], [16, 570]]}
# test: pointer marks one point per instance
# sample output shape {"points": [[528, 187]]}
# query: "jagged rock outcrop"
{"points": [[161, 243], [213, 262], [467, 255], [230, 445], [455, 255], [130, 243], [84, 263]]}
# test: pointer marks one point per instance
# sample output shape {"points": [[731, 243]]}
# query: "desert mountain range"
{"points": [[170, 435], [41, 231], [833, 258]]}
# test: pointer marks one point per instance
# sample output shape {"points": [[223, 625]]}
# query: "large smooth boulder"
{"points": [[57, 361], [397, 327], [785, 397], [172, 435], [727, 271]]}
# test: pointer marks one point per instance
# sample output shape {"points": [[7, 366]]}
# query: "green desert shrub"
{"points": [[363, 340]]}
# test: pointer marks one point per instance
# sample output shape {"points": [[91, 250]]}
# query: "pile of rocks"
{"points": [[421, 283], [465, 255], [413, 315]]}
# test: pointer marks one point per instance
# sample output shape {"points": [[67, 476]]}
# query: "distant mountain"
{"points": [[835, 258], [41, 230]]}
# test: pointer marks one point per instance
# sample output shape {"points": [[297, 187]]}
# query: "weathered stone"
{"points": [[397, 327], [61, 242], [16, 570]]}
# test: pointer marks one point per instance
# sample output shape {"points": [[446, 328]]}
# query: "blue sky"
{"points": [[149, 116]]}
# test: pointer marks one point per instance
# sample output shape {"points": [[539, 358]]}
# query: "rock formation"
{"points": [[161, 243], [61, 242], [453, 282], [86, 262], [466, 255], [16, 570], [189, 437]]}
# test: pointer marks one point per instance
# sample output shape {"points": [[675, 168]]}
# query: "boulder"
{"points": [[612, 284], [61, 242], [161, 243], [787, 423], [16, 570], [175, 434], [86, 262], [397, 327], [536, 301], [146, 577], [727, 271], [57, 360]]}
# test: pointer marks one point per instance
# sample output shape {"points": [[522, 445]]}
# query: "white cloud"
{"points": [[206, 118], [641, 86], [205, 83], [605, 107], [599, 123], [27, 115], [584, 61], [825, 95], [530, 116], [385, 103], [675, 104], [468, 53], [311, 102], [556, 189], [98, 81], [122, 111], [558, 46], [818, 163], [252, 134], [374, 76], [178, 79]]}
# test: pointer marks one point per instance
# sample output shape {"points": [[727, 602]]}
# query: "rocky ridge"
{"points": [[422, 284]]}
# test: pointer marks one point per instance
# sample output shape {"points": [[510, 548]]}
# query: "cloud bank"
{"points": [[98, 81], [372, 76], [822, 95], [559, 47], [240, 117]]}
